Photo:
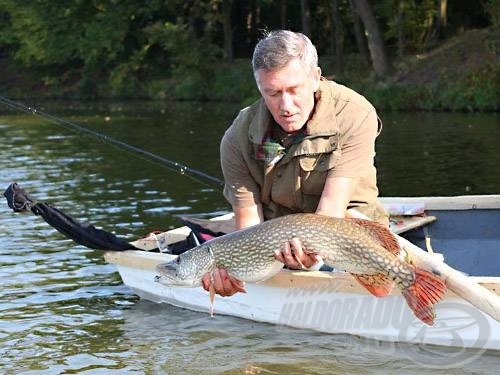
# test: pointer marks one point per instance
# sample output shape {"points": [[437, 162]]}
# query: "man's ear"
{"points": [[256, 76], [317, 77]]}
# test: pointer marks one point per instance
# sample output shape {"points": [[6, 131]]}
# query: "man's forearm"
{"points": [[336, 195], [247, 216]]}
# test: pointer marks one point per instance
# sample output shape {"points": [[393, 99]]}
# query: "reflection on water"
{"points": [[196, 343], [63, 310], [422, 154]]}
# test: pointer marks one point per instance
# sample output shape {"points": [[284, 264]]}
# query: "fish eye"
{"points": [[178, 260]]}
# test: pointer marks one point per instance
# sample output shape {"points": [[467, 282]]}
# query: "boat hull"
{"points": [[326, 302], [463, 229]]}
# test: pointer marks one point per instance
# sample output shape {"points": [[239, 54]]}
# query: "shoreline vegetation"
{"points": [[191, 59]]}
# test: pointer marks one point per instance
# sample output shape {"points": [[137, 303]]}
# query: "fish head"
{"points": [[188, 268]]}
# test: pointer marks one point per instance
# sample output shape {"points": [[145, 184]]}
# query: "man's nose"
{"points": [[286, 103]]}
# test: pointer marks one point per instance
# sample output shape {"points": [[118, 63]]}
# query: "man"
{"points": [[307, 145]]}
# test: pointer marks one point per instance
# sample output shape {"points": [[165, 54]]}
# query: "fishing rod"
{"points": [[167, 163]]}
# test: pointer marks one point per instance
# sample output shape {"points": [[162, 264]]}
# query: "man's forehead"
{"points": [[286, 81], [281, 78]]}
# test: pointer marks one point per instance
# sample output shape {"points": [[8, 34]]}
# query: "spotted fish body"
{"points": [[365, 249]]}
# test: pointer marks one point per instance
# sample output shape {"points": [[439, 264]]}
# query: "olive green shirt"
{"points": [[338, 140]]}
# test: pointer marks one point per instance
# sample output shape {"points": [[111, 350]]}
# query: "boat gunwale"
{"points": [[459, 202]]}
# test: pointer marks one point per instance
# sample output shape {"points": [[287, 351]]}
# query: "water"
{"points": [[63, 310]]}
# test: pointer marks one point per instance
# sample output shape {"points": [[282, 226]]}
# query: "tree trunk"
{"points": [[283, 15], [400, 28], [358, 33], [381, 64], [306, 17], [338, 31], [429, 32], [442, 19], [228, 30]]}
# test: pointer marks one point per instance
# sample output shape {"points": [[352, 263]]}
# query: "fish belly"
{"points": [[250, 258], [256, 274], [352, 267]]}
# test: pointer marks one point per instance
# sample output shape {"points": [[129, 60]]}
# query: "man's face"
{"points": [[289, 93]]}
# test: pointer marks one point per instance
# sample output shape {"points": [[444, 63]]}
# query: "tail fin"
{"points": [[426, 290]]}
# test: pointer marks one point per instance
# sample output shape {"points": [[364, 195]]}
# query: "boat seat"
{"points": [[404, 217], [401, 224]]}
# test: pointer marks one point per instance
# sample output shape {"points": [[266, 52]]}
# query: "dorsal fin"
{"points": [[381, 233]]}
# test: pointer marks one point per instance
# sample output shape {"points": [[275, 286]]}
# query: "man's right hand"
{"points": [[222, 283], [292, 254]]}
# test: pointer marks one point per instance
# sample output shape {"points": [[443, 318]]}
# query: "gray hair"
{"points": [[278, 48]]}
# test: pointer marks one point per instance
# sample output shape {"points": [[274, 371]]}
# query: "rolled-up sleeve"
{"points": [[356, 151], [240, 189]]}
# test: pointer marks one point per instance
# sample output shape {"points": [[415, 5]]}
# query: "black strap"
{"points": [[82, 233]]}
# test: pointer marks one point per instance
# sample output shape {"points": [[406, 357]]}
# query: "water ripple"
{"points": [[63, 310]]}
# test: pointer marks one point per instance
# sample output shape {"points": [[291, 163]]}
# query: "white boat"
{"points": [[465, 230]]}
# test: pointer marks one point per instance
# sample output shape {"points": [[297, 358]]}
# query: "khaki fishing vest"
{"points": [[295, 183]]}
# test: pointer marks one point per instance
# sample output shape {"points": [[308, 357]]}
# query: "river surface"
{"points": [[63, 310]]}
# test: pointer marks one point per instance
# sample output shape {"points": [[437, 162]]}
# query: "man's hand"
{"points": [[222, 283], [294, 257]]}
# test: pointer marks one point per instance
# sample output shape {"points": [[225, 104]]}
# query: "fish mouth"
{"points": [[167, 275], [166, 267]]}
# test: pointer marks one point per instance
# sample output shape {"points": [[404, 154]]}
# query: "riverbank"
{"points": [[462, 74]]}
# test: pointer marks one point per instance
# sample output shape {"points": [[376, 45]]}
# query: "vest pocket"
{"points": [[314, 170]]}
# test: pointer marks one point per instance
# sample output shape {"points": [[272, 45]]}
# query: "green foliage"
{"points": [[492, 7], [108, 47], [418, 21], [191, 60], [173, 49], [476, 92], [234, 82], [453, 98], [484, 90], [426, 98], [40, 32], [493, 10]]}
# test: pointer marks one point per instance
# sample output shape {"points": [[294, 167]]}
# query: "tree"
{"points": [[338, 32], [400, 15], [228, 31], [131, 48], [305, 11], [283, 14], [376, 46], [442, 19], [358, 32]]}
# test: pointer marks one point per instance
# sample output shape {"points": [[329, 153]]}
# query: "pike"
{"points": [[361, 247]]}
